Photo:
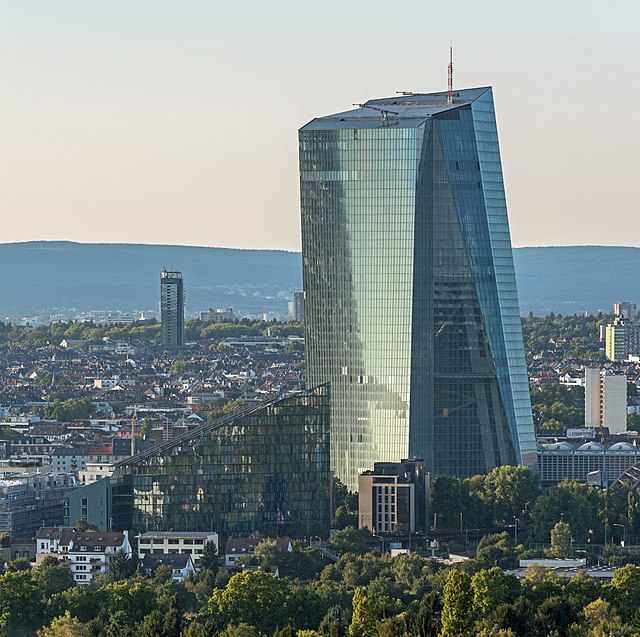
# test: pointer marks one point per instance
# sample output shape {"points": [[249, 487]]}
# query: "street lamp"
{"points": [[381, 542], [624, 532]]}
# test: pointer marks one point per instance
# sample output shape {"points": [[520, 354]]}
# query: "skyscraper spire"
{"points": [[450, 77]]}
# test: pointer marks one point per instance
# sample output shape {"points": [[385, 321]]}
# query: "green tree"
{"points": [[491, 587], [240, 630], [507, 489], [19, 564], [350, 540], [83, 602], [145, 430], [20, 601], [561, 540], [160, 624], [134, 599], [567, 500], [257, 598], [624, 591], [53, 577], [65, 626], [121, 566], [69, 410], [496, 549], [83, 525], [457, 617], [368, 611], [209, 557]]}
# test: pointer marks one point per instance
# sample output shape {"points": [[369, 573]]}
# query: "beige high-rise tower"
{"points": [[605, 400]]}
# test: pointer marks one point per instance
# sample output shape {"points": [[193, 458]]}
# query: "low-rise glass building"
{"points": [[264, 468]]}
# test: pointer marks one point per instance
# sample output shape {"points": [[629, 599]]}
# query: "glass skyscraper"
{"points": [[264, 468], [411, 303]]}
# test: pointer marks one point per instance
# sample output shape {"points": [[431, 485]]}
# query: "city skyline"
{"points": [[131, 113]]}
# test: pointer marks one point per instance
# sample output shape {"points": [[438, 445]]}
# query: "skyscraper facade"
{"points": [[172, 309], [264, 468], [411, 306]]}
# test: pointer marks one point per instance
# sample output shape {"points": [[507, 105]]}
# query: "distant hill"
{"points": [[576, 279], [60, 274], [43, 275]]}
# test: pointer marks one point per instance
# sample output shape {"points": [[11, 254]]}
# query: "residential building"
{"points": [[296, 307], [69, 459], [86, 552], [605, 400], [181, 565], [172, 309], [394, 497], [626, 310], [175, 542], [622, 340], [220, 315], [263, 468], [411, 307]]}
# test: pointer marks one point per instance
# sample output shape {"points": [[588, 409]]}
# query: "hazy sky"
{"points": [[176, 122]]}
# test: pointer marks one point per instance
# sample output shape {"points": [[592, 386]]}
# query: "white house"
{"points": [[181, 564], [86, 552]]}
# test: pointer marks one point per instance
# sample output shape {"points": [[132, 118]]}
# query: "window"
{"points": [[174, 542]]}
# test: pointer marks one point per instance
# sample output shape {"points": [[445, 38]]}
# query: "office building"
{"points": [[90, 503], [264, 468], [622, 340], [172, 309], [605, 400], [410, 293], [31, 500], [394, 497], [296, 307], [626, 310]]}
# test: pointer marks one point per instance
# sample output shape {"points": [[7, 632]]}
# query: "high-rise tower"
{"points": [[172, 309], [411, 303]]}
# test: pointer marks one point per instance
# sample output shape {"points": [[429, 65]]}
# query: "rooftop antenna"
{"points": [[450, 77]]}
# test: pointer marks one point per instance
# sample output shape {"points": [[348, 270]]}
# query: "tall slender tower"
{"points": [[411, 303], [172, 309]]}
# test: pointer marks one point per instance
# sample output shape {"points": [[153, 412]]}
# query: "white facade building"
{"points": [[87, 553], [175, 542]]}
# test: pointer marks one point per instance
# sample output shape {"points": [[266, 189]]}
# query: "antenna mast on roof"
{"points": [[450, 77]]}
